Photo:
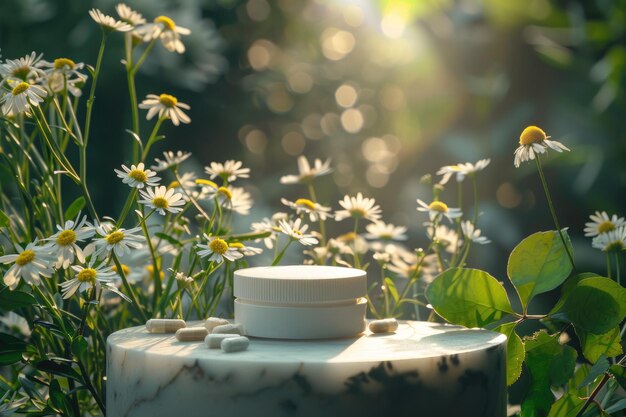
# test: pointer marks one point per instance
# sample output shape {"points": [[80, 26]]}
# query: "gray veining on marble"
{"points": [[423, 370]]}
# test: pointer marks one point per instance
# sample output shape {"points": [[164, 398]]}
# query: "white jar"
{"points": [[300, 301]]}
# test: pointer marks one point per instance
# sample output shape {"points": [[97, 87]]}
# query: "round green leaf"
{"points": [[539, 264], [596, 305], [515, 352], [468, 297], [595, 345]]}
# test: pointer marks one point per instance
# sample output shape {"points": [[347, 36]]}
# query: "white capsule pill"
{"points": [[214, 340], [191, 333], [212, 322], [228, 328], [235, 344], [164, 325], [383, 326]]}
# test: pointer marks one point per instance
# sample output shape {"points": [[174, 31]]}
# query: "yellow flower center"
{"points": [[218, 246], [530, 135], [174, 184], [61, 63], [138, 175], [206, 182], [358, 212], [348, 237], [115, 237], [87, 275], [236, 245], [606, 226], [125, 269], [305, 202], [25, 257], [168, 100], [160, 202], [226, 192], [66, 237], [167, 22], [439, 206], [150, 269], [20, 88]]}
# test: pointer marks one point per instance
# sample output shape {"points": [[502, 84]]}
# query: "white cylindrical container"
{"points": [[300, 301]]}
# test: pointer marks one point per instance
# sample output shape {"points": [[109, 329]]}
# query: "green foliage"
{"points": [[595, 305], [11, 349], [515, 352], [595, 345], [538, 264], [74, 208], [469, 297]]}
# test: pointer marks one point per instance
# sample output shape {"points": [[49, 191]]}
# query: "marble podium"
{"points": [[422, 370]]}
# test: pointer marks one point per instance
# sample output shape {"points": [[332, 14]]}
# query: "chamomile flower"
{"points": [[165, 105], [602, 223], [21, 97], [246, 250], [233, 198], [27, 68], [438, 208], [29, 264], [461, 170], [137, 176], [162, 199], [63, 243], [117, 240], [611, 241], [425, 268], [351, 243], [472, 233], [358, 207], [268, 225], [167, 31], [305, 206], [218, 249], [297, 231], [108, 23], [129, 16], [64, 73], [170, 159], [447, 237], [307, 172], [86, 278], [182, 280], [385, 231], [229, 171], [534, 141]]}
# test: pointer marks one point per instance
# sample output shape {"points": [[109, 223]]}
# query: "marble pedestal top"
{"points": [[422, 370]]}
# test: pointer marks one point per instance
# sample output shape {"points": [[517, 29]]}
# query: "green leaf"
{"points": [[539, 264], [391, 287], [616, 406], [515, 352], [598, 368], [11, 349], [469, 297], [75, 208], [579, 375], [57, 397], [544, 355], [79, 347], [595, 305], [596, 345], [619, 372], [59, 369], [567, 406], [4, 219], [568, 286], [11, 300], [168, 238]]}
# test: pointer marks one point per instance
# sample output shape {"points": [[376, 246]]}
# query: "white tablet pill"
{"points": [[235, 344]]}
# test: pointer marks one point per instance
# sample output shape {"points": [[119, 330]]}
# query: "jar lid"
{"points": [[296, 284]]}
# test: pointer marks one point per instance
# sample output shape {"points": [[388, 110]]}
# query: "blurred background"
{"points": [[390, 90]]}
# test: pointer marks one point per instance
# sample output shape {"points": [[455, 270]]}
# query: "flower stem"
{"points": [[129, 289], [92, 92], [152, 138], [553, 213], [617, 268], [282, 253], [608, 265]]}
